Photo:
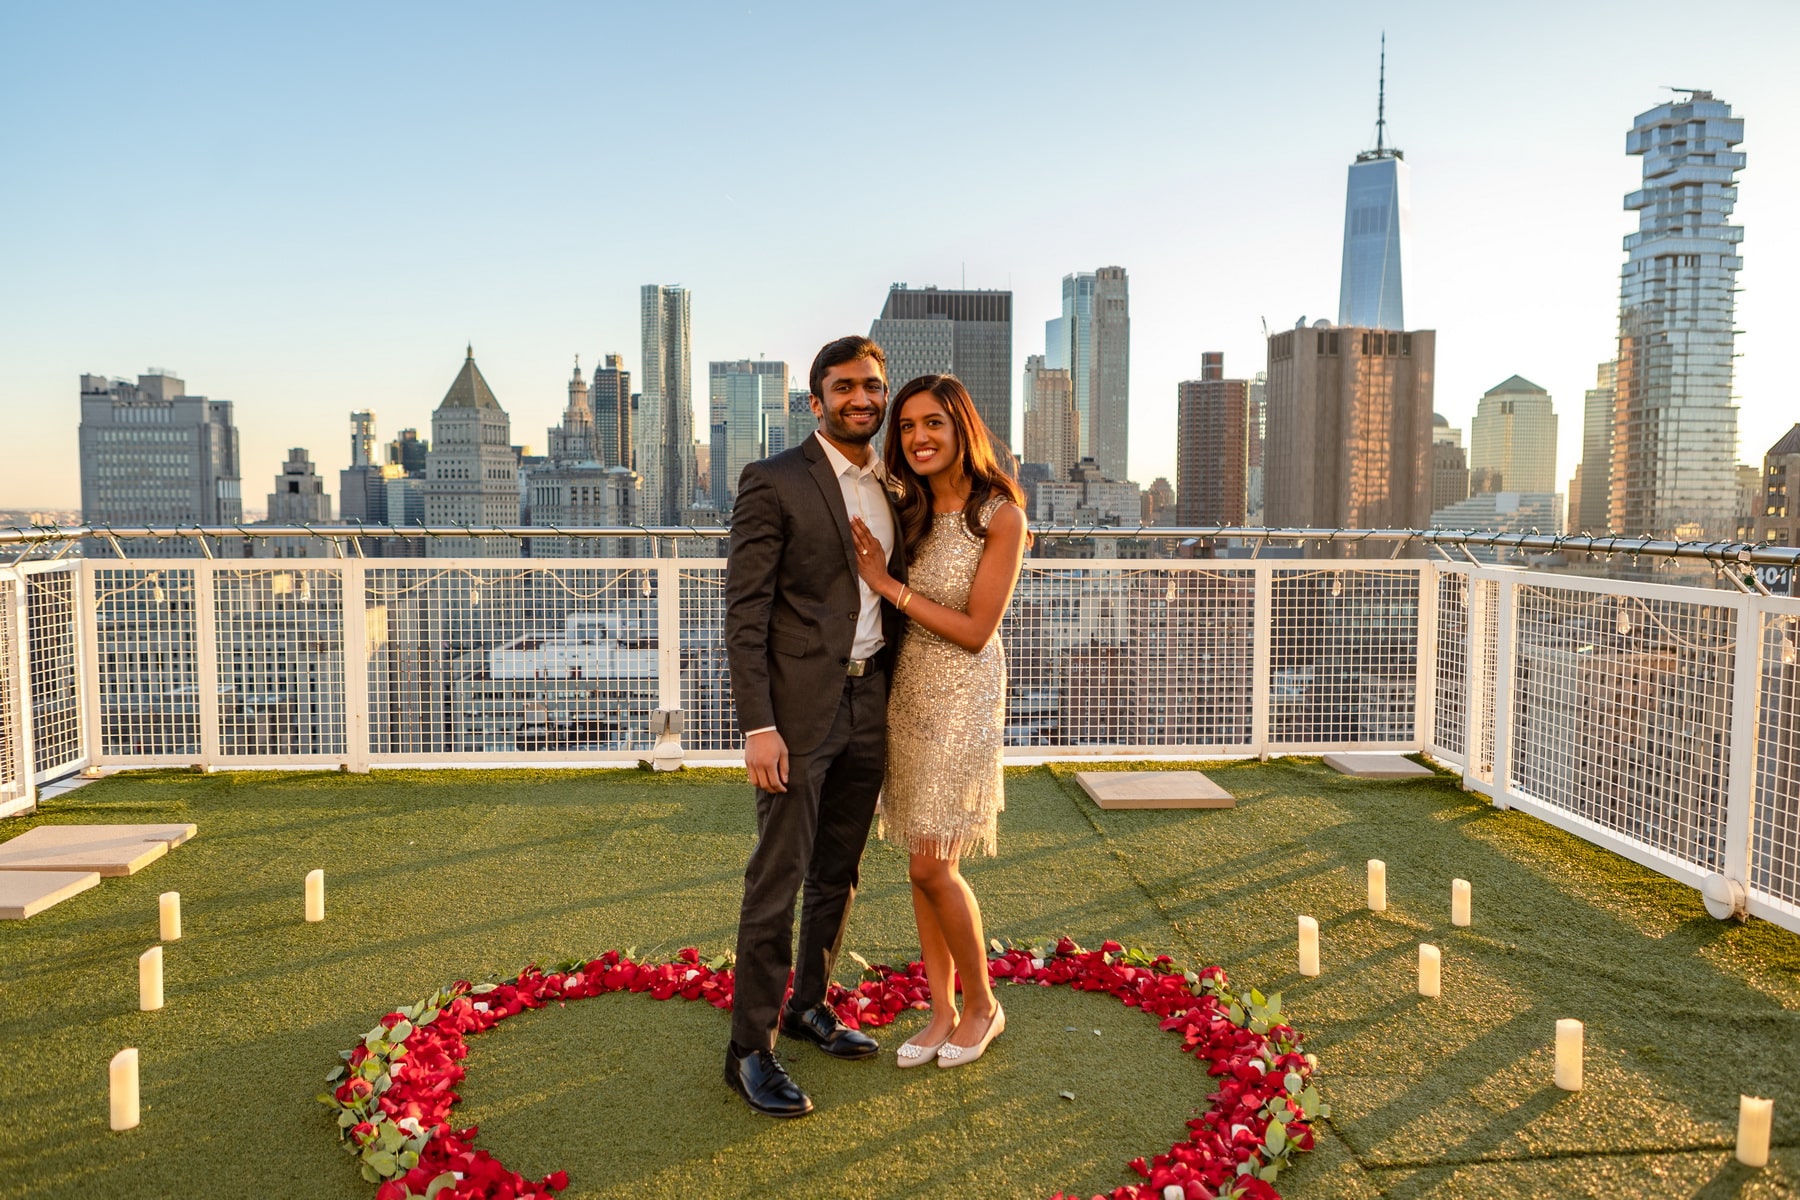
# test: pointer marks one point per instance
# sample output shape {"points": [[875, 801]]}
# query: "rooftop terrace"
{"points": [[435, 876], [1617, 759]]}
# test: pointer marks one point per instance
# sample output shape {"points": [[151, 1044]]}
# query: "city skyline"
{"points": [[362, 287]]}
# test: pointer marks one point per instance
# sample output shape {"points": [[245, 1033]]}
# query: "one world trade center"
{"points": [[1377, 211]]}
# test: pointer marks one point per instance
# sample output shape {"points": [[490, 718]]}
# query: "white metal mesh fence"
{"points": [[708, 710], [1621, 714], [1130, 656], [1617, 698], [13, 783], [279, 634], [1451, 676], [1344, 656], [146, 662], [509, 660], [1775, 831], [1484, 628], [53, 628]]}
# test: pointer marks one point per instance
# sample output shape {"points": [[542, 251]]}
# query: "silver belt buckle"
{"points": [[857, 667]]}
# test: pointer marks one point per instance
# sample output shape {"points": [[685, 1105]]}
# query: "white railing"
{"points": [[1662, 722]]}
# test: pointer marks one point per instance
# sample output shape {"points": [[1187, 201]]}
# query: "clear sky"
{"points": [[309, 209]]}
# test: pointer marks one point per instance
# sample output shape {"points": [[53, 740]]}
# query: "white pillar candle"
{"points": [[150, 997], [1755, 1116], [1377, 885], [1459, 902], [315, 895], [124, 1075], [1430, 970], [168, 910], [1309, 946], [1568, 1055]]}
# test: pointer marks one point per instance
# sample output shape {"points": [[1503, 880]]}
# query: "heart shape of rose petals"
{"points": [[394, 1093]]}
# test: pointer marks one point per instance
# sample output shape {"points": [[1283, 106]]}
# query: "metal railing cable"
{"points": [[1748, 554]]}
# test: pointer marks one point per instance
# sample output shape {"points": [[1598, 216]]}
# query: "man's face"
{"points": [[854, 400]]}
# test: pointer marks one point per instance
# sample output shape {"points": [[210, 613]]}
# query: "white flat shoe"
{"points": [[951, 1055], [917, 1054]]}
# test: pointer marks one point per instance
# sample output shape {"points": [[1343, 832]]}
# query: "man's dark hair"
{"points": [[839, 352]]}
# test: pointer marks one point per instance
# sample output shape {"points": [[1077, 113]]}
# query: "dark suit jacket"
{"points": [[791, 595]]}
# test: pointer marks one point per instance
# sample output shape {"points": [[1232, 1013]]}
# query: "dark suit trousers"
{"points": [[809, 840]]}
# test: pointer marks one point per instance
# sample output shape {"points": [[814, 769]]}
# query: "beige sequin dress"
{"points": [[946, 712]]}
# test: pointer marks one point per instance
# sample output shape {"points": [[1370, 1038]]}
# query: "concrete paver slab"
{"points": [[109, 855], [83, 835], [26, 893], [1377, 766], [1153, 789]]}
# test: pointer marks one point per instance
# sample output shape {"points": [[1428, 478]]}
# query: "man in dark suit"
{"points": [[810, 645]]}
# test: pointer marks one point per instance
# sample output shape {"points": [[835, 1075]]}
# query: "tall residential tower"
{"points": [[1674, 445], [664, 430], [1212, 446]]}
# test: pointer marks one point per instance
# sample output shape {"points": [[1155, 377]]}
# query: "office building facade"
{"points": [[1350, 428], [1514, 433], [1449, 465], [471, 470], [1092, 341], [1590, 487], [1778, 520], [610, 400], [299, 498], [1255, 501], [1377, 243], [962, 332], [1052, 435], [748, 403], [575, 439], [153, 455]]}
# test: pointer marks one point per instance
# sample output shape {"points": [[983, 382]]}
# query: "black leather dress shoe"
{"points": [[821, 1027], [758, 1077]]}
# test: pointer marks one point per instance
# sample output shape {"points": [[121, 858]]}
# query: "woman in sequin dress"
{"points": [[965, 536]]}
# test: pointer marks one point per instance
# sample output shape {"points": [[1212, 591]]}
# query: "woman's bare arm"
{"points": [[995, 578]]}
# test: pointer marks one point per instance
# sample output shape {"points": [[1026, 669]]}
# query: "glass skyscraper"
{"points": [[664, 430], [1377, 244], [1674, 447], [1092, 341]]}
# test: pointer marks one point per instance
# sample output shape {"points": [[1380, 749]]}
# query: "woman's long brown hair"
{"points": [[974, 447]]}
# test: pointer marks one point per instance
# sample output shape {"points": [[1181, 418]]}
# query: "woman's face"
{"points": [[927, 435]]}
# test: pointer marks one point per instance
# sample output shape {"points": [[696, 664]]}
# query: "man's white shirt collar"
{"points": [[840, 464]]}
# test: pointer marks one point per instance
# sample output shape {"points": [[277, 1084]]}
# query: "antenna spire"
{"points": [[1381, 98]]}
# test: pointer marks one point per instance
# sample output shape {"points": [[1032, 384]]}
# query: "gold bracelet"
{"points": [[906, 595]]}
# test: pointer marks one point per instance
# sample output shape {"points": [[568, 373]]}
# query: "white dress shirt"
{"points": [[865, 496]]}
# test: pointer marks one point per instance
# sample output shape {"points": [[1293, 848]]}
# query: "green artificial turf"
{"points": [[432, 876]]}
